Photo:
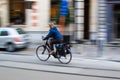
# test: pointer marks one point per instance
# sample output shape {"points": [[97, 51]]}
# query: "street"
{"points": [[22, 74], [23, 64]]}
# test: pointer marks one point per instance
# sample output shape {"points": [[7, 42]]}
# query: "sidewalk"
{"points": [[91, 51]]}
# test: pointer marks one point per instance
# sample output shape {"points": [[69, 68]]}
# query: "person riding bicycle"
{"points": [[55, 35]]}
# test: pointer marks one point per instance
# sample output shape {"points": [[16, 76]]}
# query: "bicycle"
{"points": [[62, 52]]}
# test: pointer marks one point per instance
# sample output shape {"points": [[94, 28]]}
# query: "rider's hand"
{"points": [[44, 39]]}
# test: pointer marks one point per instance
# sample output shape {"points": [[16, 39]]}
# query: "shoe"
{"points": [[55, 56], [51, 52]]}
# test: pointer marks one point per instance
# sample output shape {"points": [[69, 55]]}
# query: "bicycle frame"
{"points": [[46, 44]]}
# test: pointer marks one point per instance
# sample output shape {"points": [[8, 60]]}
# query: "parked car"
{"points": [[13, 38]]}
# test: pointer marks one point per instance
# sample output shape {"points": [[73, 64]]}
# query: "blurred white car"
{"points": [[13, 38]]}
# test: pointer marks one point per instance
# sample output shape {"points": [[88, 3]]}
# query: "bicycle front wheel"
{"points": [[65, 59], [42, 53]]}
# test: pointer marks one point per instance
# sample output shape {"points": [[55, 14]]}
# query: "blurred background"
{"points": [[88, 20], [91, 26]]}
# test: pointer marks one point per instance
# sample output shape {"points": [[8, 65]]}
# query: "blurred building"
{"points": [[86, 19], [97, 20], [33, 15]]}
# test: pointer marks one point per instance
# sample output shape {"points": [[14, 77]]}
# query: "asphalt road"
{"points": [[29, 67], [23, 64], [7, 73]]}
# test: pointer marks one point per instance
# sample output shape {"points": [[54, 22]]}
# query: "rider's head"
{"points": [[51, 25]]}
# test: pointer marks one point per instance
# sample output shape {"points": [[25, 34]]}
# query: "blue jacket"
{"points": [[54, 33]]}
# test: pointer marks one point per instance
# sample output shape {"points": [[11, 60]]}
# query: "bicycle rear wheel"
{"points": [[42, 53], [65, 59]]}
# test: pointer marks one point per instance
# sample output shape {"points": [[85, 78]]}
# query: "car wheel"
{"points": [[10, 47]]}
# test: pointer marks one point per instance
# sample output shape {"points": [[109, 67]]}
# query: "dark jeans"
{"points": [[54, 41]]}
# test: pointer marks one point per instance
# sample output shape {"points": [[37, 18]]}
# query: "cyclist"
{"points": [[55, 35]]}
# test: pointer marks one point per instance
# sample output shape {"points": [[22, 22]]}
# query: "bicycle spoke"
{"points": [[65, 59], [42, 53]]}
